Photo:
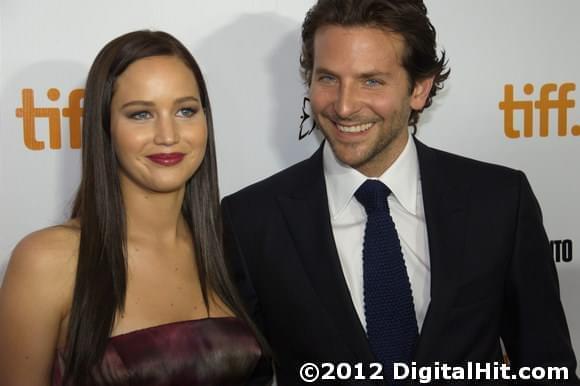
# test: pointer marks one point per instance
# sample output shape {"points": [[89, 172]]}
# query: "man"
{"points": [[379, 248]]}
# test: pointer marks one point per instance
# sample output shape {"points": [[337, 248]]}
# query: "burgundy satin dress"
{"points": [[208, 352]]}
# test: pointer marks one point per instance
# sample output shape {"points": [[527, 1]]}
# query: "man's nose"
{"points": [[347, 100]]}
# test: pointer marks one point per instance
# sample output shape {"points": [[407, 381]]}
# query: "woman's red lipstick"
{"points": [[166, 159]]}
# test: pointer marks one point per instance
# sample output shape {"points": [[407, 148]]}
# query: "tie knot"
{"points": [[372, 194]]}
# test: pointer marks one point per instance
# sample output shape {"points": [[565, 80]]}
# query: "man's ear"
{"points": [[421, 92]]}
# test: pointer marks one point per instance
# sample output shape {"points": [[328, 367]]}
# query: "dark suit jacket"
{"points": [[492, 272]]}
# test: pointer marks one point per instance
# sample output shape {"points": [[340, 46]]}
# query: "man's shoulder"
{"points": [[283, 182], [462, 167]]}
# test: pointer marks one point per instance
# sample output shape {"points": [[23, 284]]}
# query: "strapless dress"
{"points": [[208, 352]]}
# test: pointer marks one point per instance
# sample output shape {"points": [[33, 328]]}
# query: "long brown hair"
{"points": [[101, 277], [405, 17]]}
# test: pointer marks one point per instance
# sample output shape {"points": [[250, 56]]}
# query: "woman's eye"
{"points": [[186, 112], [140, 115]]}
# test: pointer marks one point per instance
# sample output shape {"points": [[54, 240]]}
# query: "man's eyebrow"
{"points": [[322, 70], [364, 75], [374, 74]]}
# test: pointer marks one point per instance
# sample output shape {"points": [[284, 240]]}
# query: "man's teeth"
{"points": [[354, 129]]}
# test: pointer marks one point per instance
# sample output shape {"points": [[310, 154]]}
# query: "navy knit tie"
{"points": [[391, 322]]}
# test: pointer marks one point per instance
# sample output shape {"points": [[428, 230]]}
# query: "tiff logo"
{"points": [[552, 98], [29, 113]]}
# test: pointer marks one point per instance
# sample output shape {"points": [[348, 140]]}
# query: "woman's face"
{"points": [[158, 125]]}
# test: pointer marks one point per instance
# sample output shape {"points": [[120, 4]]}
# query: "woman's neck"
{"points": [[154, 216]]}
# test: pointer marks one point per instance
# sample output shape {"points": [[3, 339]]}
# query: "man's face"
{"points": [[361, 97]]}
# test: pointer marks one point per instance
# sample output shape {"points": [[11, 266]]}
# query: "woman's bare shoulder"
{"points": [[50, 252], [35, 297], [53, 240]]}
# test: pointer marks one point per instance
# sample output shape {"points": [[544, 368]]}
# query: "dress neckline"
{"points": [[166, 325], [172, 324]]}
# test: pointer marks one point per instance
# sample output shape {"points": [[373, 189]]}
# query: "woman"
{"points": [[133, 289]]}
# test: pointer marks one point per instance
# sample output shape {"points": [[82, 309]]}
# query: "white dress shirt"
{"points": [[348, 219]]}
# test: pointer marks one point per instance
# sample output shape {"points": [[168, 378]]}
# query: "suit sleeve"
{"points": [[534, 328], [237, 265]]}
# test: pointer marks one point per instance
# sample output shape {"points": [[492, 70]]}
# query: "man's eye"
{"points": [[140, 115], [186, 112], [373, 82], [326, 78]]}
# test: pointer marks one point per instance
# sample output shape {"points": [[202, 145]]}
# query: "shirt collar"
{"points": [[342, 181]]}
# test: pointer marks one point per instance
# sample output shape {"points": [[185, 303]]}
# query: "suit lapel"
{"points": [[307, 214], [444, 199]]}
